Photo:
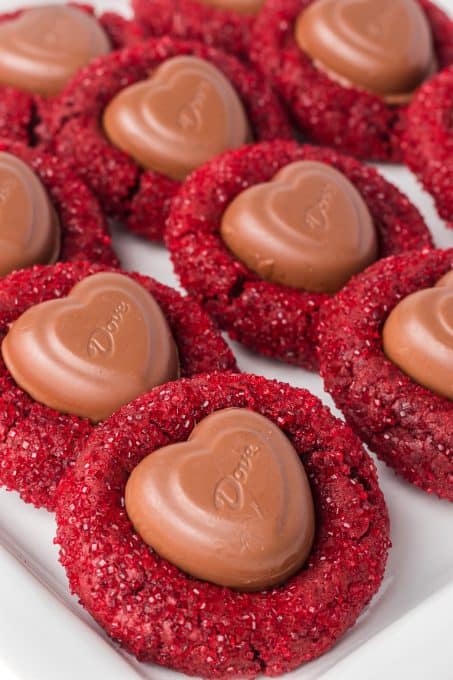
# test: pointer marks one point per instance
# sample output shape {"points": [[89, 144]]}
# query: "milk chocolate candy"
{"points": [[381, 46], [29, 226], [241, 6], [232, 505], [93, 351], [183, 115], [43, 47], [418, 336], [307, 228], [446, 280]]}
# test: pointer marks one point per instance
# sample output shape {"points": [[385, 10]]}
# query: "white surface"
{"points": [[404, 633]]}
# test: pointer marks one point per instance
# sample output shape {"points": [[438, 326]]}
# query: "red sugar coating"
{"points": [[192, 20], [38, 444], [428, 141], [21, 112], [407, 425], [125, 190], [84, 230], [162, 615], [272, 319], [17, 115], [121, 31], [350, 120]]}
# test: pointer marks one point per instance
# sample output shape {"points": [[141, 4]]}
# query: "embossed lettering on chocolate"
{"points": [[232, 505], [89, 353], [184, 114]]}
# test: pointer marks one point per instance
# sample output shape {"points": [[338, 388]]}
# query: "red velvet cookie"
{"points": [[162, 615], [126, 191], [120, 31], [193, 20], [428, 141], [272, 319], [83, 228], [404, 423], [349, 119], [37, 443], [20, 111]]}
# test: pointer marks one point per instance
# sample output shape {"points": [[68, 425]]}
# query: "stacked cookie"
{"points": [[218, 523]]}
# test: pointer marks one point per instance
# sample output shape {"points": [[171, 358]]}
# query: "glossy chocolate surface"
{"points": [[43, 47], [240, 6], [232, 505], [186, 113], [381, 46], [307, 228], [89, 353], [418, 336], [29, 226]]}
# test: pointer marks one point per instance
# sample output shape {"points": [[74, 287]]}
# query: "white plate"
{"points": [[404, 633]]}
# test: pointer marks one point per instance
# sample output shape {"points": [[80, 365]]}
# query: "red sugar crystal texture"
{"points": [[21, 112], [84, 230], [142, 198], [193, 20], [38, 444], [407, 425], [271, 319], [162, 615], [350, 120], [18, 114], [428, 141]]}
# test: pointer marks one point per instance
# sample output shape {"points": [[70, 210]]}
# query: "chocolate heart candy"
{"points": [[240, 6], [93, 351], [182, 116], [383, 46], [29, 226], [232, 505], [418, 336], [307, 228], [43, 47]]}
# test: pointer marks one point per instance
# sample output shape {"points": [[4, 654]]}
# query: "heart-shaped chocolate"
{"points": [[29, 226], [89, 353], [232, 505], [186, 113], [44, 46], [418, 336], [307, 228], [382, 46]]}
